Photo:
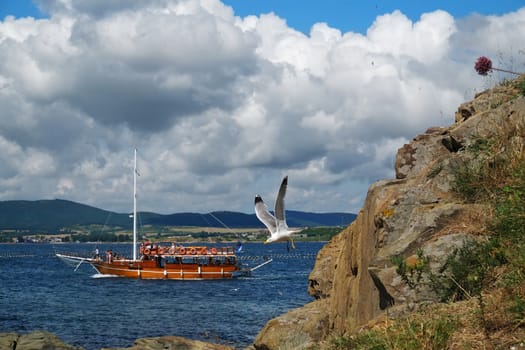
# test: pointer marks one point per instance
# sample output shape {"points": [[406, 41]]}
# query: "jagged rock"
{"points": [[172, 343], [320, 279], [297, 329], [486, 100], [38, 340], [451, 144], [354, 278], [417, 211], [423, 152]]}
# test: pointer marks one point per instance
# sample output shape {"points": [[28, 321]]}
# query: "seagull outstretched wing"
{"points": [[279, 206], [262, 213]]}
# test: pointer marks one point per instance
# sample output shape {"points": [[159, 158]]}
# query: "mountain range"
{"points": [[54, 215]]}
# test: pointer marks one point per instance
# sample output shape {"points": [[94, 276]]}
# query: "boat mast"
{"points": [[135, 207]]}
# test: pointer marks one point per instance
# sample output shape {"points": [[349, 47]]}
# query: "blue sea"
{"points": [[40, 292]]}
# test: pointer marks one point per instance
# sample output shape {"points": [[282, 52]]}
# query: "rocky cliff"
{"points": [[354, 280]]}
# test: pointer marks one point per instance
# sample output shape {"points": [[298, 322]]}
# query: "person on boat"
{"points": [[108, 255], [239, 246], [97, 253]]}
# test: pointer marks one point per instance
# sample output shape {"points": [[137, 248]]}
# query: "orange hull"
{"points": [[136, 269]]}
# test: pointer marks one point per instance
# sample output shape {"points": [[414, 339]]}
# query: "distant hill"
{"points": [[53, 215]]}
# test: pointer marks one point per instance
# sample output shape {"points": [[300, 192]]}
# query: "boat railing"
{"points": [[187, 250]]}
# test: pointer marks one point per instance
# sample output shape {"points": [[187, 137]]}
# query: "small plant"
{"points": [[480, 146], [509, 230], [469, 181], [481, 177], [411, 270], [342, 343], [467, 270], [509, 226], [521, 87], [518, 309]]}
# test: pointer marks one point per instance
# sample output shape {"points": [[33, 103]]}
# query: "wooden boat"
{"points": [[159, 261], [164, 262]]}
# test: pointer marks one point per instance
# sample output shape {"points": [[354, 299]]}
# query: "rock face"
{"points": [[353, 279]]}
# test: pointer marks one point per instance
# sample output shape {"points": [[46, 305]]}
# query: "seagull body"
{"points": [[277, 226]]}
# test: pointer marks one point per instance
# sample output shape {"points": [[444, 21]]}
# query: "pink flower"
{"points": [[483, 65]]}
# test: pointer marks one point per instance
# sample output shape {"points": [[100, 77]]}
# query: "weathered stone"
{"points": [[451, 144], [172, 343], [47, 341], [297, 329], [38, 340], [322, 276], [436, 130], [8, 340], [423, 152], [405, 160]]}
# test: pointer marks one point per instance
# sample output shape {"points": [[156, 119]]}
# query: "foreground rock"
{"points": [[297, 329], [354, 280], [33, 341], [47, 341], [172, 343]]}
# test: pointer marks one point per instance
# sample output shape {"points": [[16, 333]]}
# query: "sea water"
{"points": [[40, 292]]}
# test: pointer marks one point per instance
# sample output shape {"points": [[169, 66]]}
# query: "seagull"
{"points": [[276, 224]]}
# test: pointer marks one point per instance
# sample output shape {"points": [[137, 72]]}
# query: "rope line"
{"points": [[8, 255], [277, 256], [15, 255]]}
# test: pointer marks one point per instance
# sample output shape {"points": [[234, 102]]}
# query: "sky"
{"points": [[223, 99]]}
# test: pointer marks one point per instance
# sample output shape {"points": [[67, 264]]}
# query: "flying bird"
{"points": [[277, 226]]}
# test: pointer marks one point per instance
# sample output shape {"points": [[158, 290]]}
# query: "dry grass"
{"points": [[472, 220], [494, 329]]}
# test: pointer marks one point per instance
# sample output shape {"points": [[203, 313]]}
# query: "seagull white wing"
{"points": [[262, 213], [279, 206]]}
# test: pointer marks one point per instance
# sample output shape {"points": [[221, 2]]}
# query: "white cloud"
{"points": [[221, 107], [425, 41]]}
